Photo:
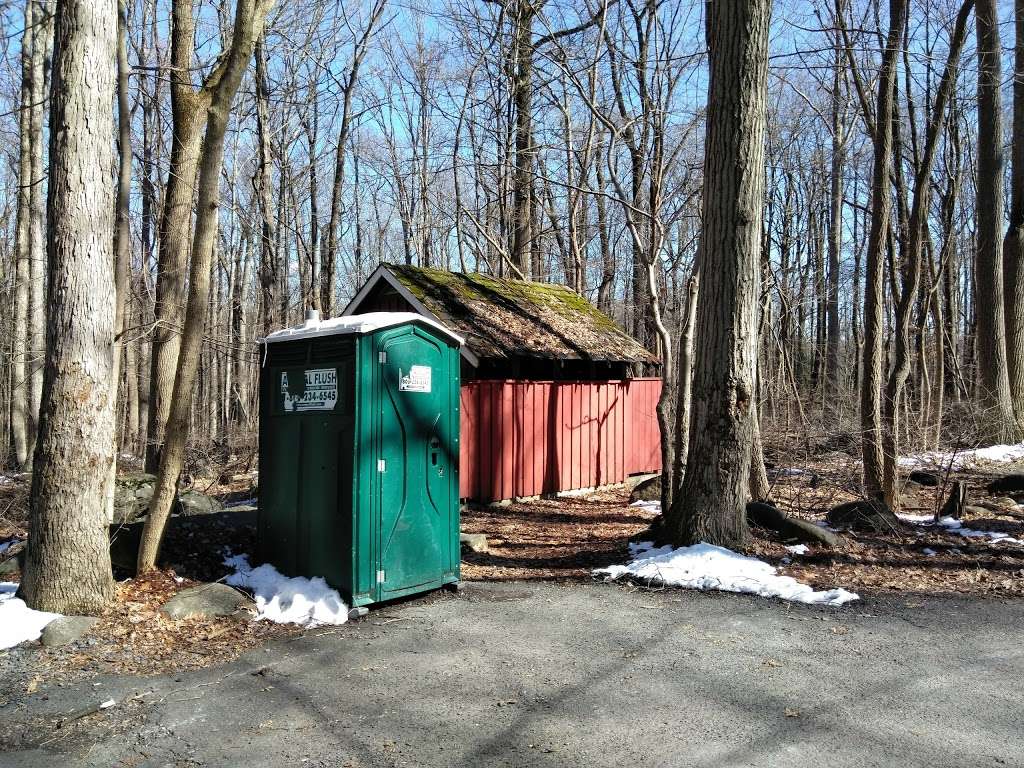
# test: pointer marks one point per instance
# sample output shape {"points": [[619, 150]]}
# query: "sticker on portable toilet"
{"points": [[320, 392], [418, 379]]}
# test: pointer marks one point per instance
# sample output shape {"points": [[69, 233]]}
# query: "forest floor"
{"points": [[560, 540], [566, 538]]}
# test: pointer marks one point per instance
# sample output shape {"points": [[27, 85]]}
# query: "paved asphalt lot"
{"points": [[545, 674]]}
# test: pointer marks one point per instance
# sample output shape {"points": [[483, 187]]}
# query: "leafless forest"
{"points": [[269, 156]]}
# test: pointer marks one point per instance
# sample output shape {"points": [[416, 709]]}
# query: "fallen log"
{"points": [[791, 528]]}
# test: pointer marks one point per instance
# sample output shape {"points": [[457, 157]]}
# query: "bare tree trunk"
{"points": [[999, 421], [221, 86], [21, 370], [122, 232], [684, 382], [188, 112], [269, 278], [760, 488], [712, 504], [41, 44], [68, 564], [522, 94], [874, 291], [911, 268], [347, 94], [835, 228], [1013, 243]]}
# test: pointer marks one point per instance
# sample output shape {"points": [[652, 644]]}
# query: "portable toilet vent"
{"points": [[359, 446]]}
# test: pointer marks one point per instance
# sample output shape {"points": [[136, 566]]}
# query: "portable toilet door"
{"points": [[416, 393]]}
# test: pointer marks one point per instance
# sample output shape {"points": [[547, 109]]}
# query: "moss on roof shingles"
{"points": [[510, 318]]}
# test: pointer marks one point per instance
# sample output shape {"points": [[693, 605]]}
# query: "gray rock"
{"points": [[977, 510], [1004, 501], [196, 503], [863, 515], [1012, 483], [66, 630], [921, 477], [474, 542], [133, 493], [646, 490], [206, 600]]}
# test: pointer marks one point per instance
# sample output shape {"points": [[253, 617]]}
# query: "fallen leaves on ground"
{"points": [[132, 636]]}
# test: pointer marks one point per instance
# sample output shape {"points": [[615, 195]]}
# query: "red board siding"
{"points": [[527, 438]]}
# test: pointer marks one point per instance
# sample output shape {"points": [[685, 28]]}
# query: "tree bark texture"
{"points": [[188, 113], [715, 490], [20, 426], [42, 41], [910, 273], [221, 87], [999, 421], [1013, 243], [68, 563], [878, 238]]}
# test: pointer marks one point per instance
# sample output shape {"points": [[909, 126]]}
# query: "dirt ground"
{"points": [[560, 540], [566, 538]]}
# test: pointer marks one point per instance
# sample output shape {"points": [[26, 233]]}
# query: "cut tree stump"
{"points": [[954, 506]]}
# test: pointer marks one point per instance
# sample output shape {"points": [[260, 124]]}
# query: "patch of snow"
{"points": [[284, 600], [995, 454], [705, 566], [358, 324], [955, 526], [251, 502], [916, 519], [798, 549], [648, 506], [791, 472], [18, 622], [929, 552]]}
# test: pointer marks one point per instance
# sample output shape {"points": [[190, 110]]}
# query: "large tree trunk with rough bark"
{"points": [[711, 506], [67, 568], [1013, 243], [998, 420]]}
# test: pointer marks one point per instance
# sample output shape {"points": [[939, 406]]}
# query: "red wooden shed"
{"points": [[555, 395]]}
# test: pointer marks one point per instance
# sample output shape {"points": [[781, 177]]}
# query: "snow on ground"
{"points": [[647, 506], [790, 472], [705, 566], [284, 600], [797, 549], [18, 622], [955, 526], [996, 454]]}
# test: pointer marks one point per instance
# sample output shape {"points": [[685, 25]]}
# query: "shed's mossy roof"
{"points": [[508, 318]]}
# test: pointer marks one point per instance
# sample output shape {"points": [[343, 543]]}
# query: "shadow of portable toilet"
{"points": [[358, 454]]}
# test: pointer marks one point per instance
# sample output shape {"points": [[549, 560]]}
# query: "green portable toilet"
{"points": [[359, 446]]}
